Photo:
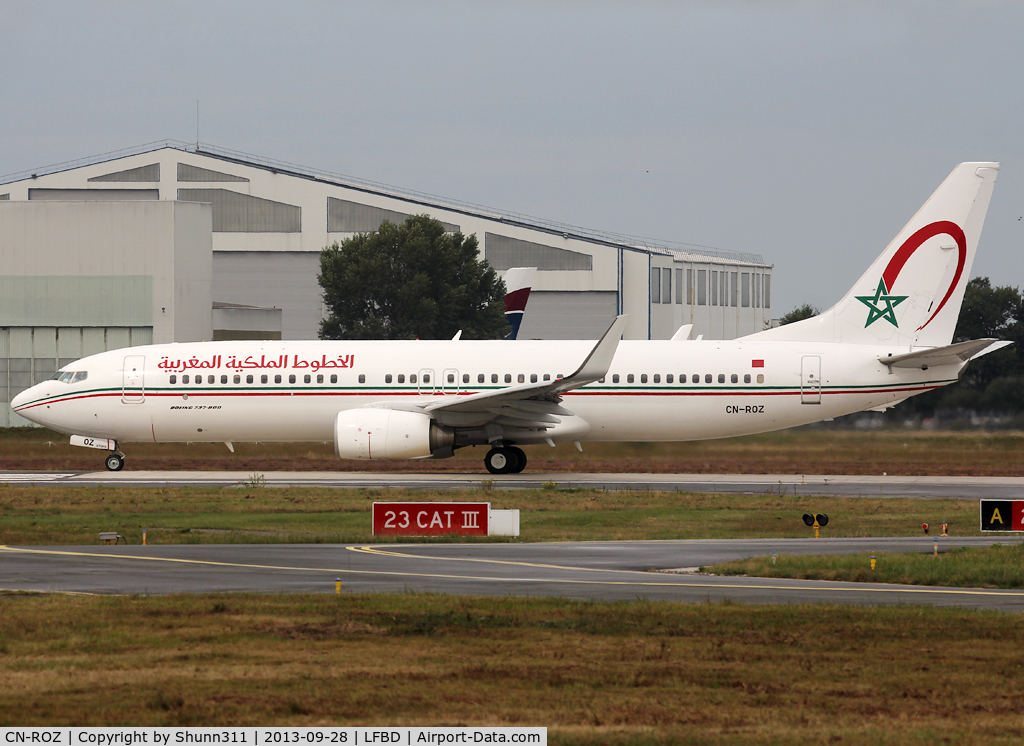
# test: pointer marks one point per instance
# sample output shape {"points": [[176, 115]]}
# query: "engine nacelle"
{"points": [[378, 433]]}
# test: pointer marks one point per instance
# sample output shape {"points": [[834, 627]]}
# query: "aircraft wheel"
{"points": [[520, 459], [500, 461], [114, 462]]}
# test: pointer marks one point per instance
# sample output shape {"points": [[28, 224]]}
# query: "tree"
{"points": [[410, 281], [805, 311]]}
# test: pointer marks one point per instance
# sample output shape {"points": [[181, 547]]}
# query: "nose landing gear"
{"points": [[505, 460], [114, 462]]}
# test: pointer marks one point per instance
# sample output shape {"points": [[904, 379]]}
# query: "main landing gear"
{"points": [[505, 460], [114, 462]]}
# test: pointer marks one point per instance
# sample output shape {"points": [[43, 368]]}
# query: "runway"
{"points": [[788, 484], [599, 571]]}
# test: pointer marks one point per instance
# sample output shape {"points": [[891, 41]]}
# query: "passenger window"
{"points": [[533, 378], [465, 377], [480, 378], [695, 378], [629, 378], [174, 379], [263, 378], [387, 378], [334, 378], [211, 379], [657, 378], [277, 378], [615, 378], [412, 378], [426, 378], [707, 378], [521, 378], [746, 378], [451, 378], [184, 378], [508, 378], [760, 378], [643, 378], [307, 378], [198, 380], [248, 379], [320, 378], [721, 377], [735, 378], [223, 379], [669, 378], [547, 377], [238, 379], [291, 378], [494, 377], [362, 378], [401, 377]]}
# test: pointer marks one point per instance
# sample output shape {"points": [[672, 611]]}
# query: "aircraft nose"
{"points": [[20, 400]]}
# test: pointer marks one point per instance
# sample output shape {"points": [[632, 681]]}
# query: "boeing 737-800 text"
{"points": [[889, 338]]}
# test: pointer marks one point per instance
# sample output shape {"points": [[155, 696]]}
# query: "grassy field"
{"points": [[812, 450], [47, 515], [625, 673], [991, 567]]}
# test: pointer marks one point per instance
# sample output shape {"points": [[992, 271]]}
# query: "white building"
{"points": [[243, 263]]}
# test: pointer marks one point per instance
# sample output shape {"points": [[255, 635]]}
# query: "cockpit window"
{"points": [[69, 376]]}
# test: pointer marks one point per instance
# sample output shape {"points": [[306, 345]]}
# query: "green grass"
{"points": [[50, 515], [990, 567], [615, 673]]}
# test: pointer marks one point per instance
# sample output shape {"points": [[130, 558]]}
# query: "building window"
{"points": [[733, 287], [702, 287], [767, 291], [679, 286], [655, 285], [666, 285], [689, 287], [714, 288], [745, 289]]}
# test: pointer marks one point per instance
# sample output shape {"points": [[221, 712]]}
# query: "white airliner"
{"points": [[887, 339]]}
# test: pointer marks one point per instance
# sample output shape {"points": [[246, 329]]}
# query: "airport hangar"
{"points": [[178, 242]]}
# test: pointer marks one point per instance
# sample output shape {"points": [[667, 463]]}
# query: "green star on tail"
{"points": [[875, 312]]}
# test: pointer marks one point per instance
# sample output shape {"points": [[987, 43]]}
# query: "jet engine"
{"points": [[378, 433]]}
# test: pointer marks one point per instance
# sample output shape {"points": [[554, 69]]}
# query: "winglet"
{"points": [[595, 367]]}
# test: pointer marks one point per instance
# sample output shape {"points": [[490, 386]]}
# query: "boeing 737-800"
{"points": [[889, 338]]}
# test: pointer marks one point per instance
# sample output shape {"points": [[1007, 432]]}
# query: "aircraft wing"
{"points": [[534, 405], [953, 354]]}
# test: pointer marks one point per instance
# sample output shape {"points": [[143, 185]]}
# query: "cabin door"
{"points": [[810, 379], [133, 383]]}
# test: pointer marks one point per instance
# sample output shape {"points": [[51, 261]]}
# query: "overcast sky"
{"points": [[808, 132]]}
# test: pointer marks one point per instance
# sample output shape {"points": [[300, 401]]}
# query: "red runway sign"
{"points": [[430, 519]]}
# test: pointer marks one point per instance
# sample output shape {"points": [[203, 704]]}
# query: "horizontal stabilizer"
{"points": [[953, 354], [683, 333]]}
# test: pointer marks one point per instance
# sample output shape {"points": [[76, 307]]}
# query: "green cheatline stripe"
{"points": [[213, 389]]}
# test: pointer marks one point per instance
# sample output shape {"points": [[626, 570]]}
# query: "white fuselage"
{"points": [[654, 390]]}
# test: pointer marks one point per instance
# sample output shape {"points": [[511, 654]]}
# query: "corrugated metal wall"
{"points": [[92, 195], [344, 216], [31, 354], [568, 315], [234, 212], [124, 300], [188, 172], [150, 172], [504, 253], [280, 279]]}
